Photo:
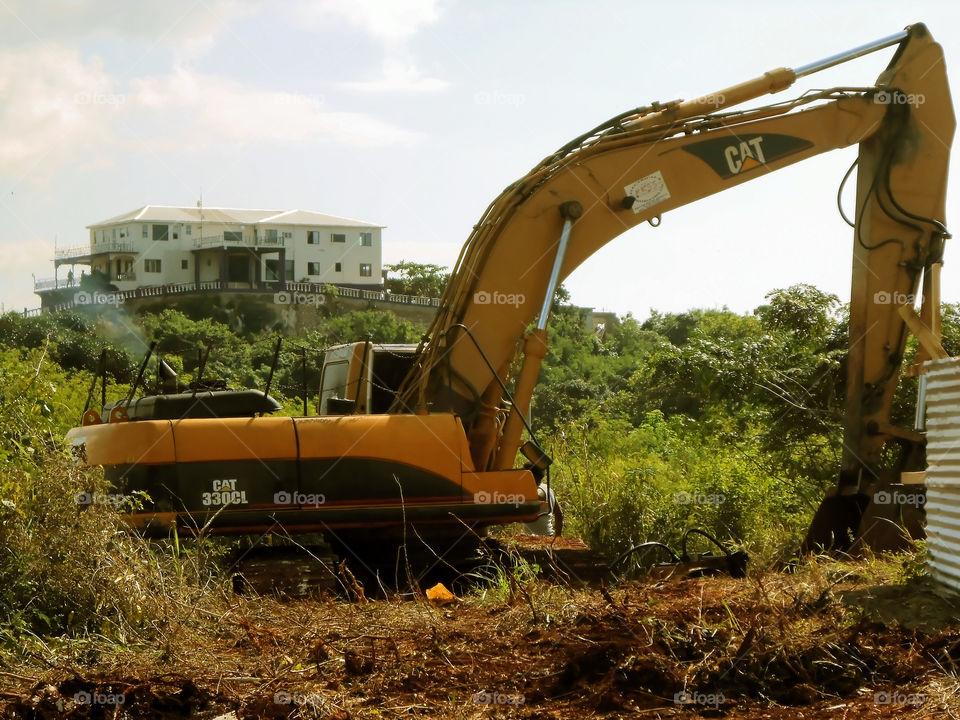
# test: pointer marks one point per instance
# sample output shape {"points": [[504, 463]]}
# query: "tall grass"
{"points": [[69, 566], [621, 485]]}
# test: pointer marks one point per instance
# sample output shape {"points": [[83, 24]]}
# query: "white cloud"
{"points": [[390, 20], [398, 76], [203, 110], [59, 108], [55, 104], [184, 26], [392, 23], [19, 259]]}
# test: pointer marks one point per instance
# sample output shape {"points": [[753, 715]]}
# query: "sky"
{"points": [[415, 114]]}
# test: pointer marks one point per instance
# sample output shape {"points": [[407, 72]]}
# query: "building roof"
{"points": [[231, 216]]}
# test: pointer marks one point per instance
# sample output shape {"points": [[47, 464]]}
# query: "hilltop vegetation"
{"points": [[706, 418]]}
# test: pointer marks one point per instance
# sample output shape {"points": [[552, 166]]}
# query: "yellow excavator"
{"points": [[429, 440]]}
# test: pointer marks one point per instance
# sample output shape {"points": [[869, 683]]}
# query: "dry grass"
{"points": [[773, 645], [89, 608]]}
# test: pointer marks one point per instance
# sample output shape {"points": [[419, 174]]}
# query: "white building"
{"points": [[226, 248]]}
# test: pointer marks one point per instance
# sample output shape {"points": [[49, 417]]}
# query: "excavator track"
{"points": [[352, 570], [567, 561], [287, 571]]}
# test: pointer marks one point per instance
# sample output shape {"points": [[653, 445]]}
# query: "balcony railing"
{"points": [[207, 286], [113, 246], [208, 241], [55, 284], [44, 284]]}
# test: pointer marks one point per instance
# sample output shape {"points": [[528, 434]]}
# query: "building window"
{"points": [[145, 231], [160, 232], [271, 235], [123, 233], [366, 239], [313, 268], [338, 237], [176, 234], [184, 264], [313, 237], [337, 267], [233, 237], [366, 270], [188, 229], [151, 266], [272, 270], [114, 234]]}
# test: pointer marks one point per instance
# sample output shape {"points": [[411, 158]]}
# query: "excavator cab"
{"points": [[363, 377]]}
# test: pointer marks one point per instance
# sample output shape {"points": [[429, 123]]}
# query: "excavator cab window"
{"points": [[389, 370], [333, 385]]}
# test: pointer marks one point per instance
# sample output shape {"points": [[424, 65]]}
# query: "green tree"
{"points": [[380, 326], [423, 279], [74, 340], [179, 336]]}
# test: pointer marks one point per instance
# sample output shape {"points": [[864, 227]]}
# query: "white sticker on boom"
{"points": [[647, 191]]}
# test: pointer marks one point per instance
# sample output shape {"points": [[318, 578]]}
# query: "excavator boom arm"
{"points": [[652, 160]]}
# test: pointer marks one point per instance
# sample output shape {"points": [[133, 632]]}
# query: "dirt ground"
{"points": [[830, 641]]}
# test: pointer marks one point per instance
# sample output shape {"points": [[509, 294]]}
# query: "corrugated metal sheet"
{"points": [[943, 470]]}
